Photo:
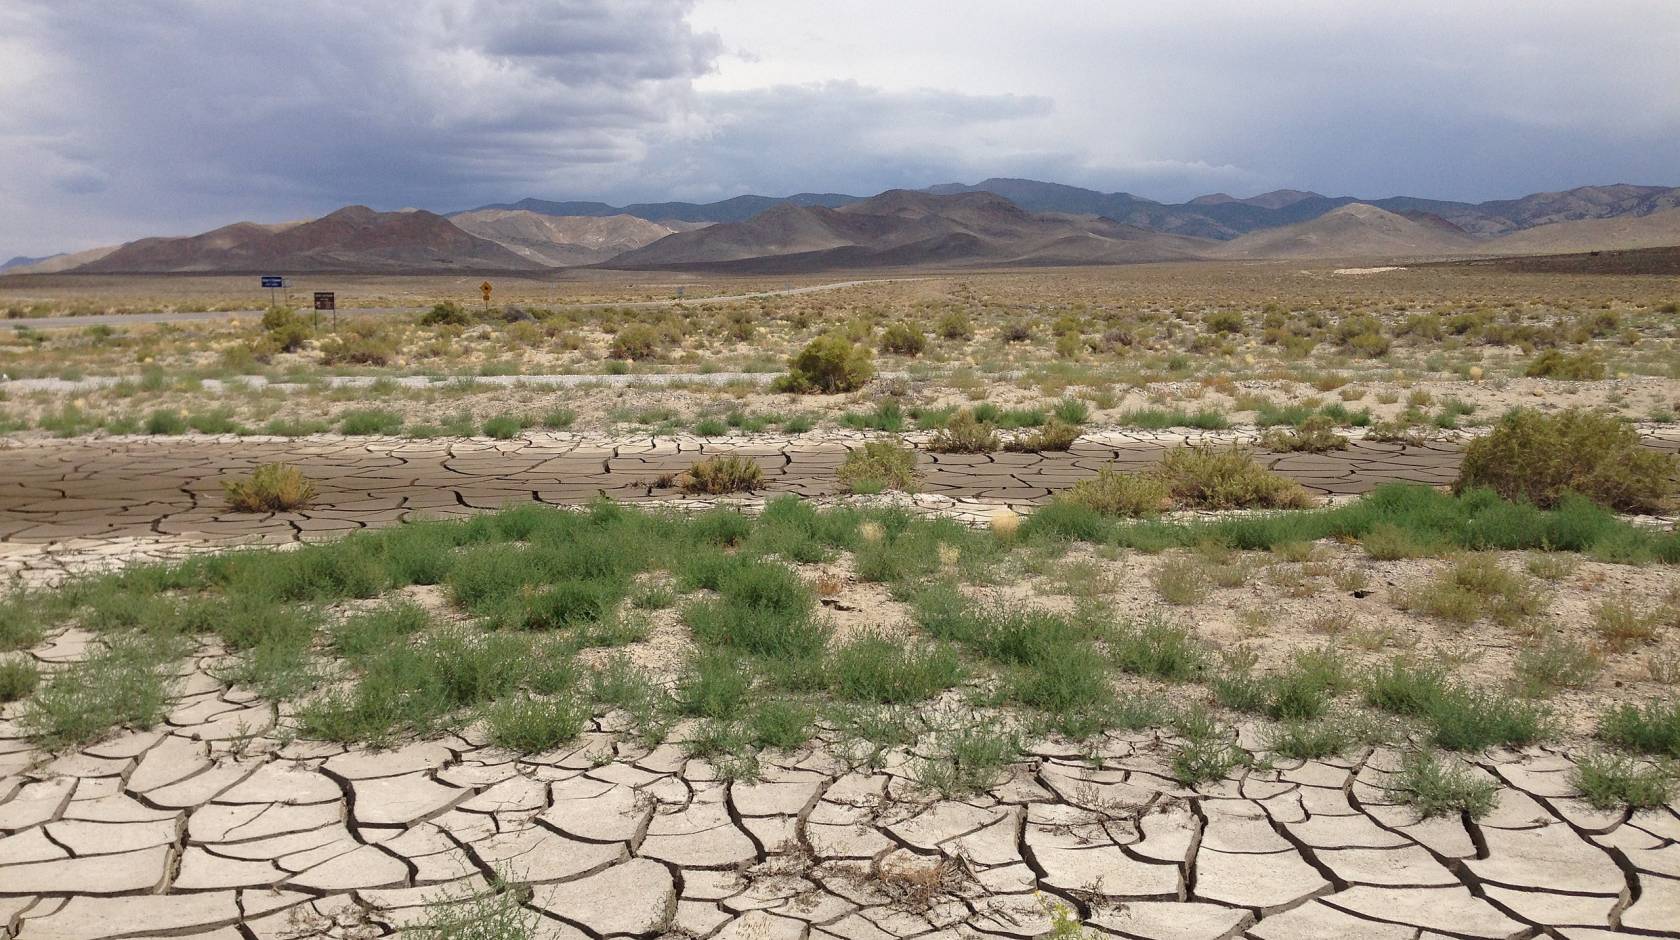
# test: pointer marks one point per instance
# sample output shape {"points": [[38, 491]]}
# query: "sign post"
{"points": [[324, 301], [273, 282], [485, 290]]}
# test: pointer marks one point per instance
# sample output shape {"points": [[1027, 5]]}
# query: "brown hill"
{"points": [[65, 262], [564, 240], [1657, 230], [1355, 230], [906, 228], [354, 238]]}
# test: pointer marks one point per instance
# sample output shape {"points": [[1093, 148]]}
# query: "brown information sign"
{"points": [[324, 300]]}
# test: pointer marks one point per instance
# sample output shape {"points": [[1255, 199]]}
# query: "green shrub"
{"points": [[448, 313], [1208, 477], [530, 725], [891, 671], [1650, 729], [880, 465], [273, 487], [362, 421], [717, 476], [964, 434], [1224, 321], [828, 364], [504, 427], [1159, 419], [1554, 363], [1073, 411], [1434, 787], [1537, 458], [359, 345], [887, 416], [18, 677], [1055, 435], [904, 339], [1116, 493], [1614, 781], [287, 329], [1315, 435], [636, 341], [955, 325], [165, 421]]}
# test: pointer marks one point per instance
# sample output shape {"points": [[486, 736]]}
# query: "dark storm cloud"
{"points": [[183, 113], [831, 136], [172, 116]]}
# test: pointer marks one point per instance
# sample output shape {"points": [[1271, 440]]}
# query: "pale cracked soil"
{"points": [[215, 825]]}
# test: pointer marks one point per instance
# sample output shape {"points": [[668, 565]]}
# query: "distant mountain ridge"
{"points": [[734, 209], [996, 221], [906, 228], [352, 239], [1223, 217], [565, 240]]}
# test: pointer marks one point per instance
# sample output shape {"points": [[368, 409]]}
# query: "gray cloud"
{"points": [[171, 116]]}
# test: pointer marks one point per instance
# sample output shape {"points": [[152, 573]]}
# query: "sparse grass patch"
{"points": [[1653, 728], [1553, 663], [1621, 624], [528, 724], [880, 465], [1434, 787], [1472, 587], [1180, 582], [1614, 781], [365, 421], [119, 686], [18, 678]]}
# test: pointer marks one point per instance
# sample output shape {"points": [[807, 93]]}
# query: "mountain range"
{"points": [[994, 222]]}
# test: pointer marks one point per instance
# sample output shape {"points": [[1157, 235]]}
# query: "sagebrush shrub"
{"points": [[1537, 458], [716, 476], [1315, 435], [1115, 493], [828, 364], [1208, 477], [274, 487], [287, 330], [880, 465], [904, 339], [448, 313], [964, 434], [1573, 367], [1055, 435], [636, 342]]}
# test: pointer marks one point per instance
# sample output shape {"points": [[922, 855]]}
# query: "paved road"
{"points": [[130, 319]]}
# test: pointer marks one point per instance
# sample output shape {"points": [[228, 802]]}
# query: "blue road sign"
{"points": [[272, 281]]}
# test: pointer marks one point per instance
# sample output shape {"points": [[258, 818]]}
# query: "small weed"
{"points": [[1613, 781], [1434, 787]]}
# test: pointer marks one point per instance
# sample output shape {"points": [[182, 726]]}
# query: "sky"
{"points": [[154, 117]]}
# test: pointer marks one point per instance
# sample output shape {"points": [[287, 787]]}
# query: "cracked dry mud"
{"points": [[214, 826], [217, 824], [87, 504]]}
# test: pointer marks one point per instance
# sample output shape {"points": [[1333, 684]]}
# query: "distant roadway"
{"points": [[163, 316]]}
